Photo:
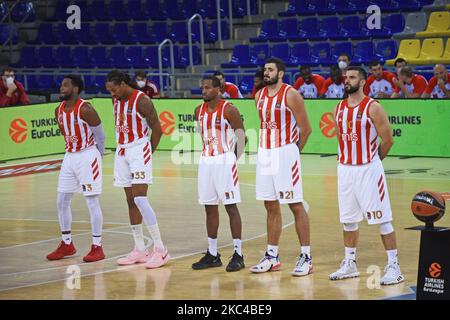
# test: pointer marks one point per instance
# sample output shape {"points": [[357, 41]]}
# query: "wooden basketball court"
{"points": [[29, 230]]}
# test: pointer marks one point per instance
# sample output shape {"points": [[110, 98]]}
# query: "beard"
{"points": [[350, 89], [271, 81], [63, 97]]}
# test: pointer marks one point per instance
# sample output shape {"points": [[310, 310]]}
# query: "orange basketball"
{"points": [[428, 206]]}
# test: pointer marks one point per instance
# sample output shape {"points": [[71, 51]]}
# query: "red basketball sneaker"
{"points": [[62, 251], [95, 254]]}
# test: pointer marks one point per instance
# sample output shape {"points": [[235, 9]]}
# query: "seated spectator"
{"points": [[399, 63], [380, 83], [258, 82], [308, 84], [12, 92], [409, 84], [439, 85], [333, 87], [228, 89], [145, 85], [344, 62]]}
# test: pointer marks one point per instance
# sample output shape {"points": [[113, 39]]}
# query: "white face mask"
{"points": [[141, 83], [342, 65], [9, 80]]}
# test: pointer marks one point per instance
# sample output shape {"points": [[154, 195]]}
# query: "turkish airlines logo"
{"points": [[167, 121], [435, 270], [327, 125], [18, 130]]}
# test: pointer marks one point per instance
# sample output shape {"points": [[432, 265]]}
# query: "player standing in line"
{"points": [[220, 124], [284, 131], [135, 115], [362, 187], [81, 169]]}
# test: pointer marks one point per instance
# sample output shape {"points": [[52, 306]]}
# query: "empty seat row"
{"points": [[140, 32], [350, 27], [100, 57], [319, 54], [429, 52], [122, 10]]}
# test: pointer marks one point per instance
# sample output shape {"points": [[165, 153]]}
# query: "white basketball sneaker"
{"points": [[268, 263], [392, 275], [347, 270], [303, 266]]}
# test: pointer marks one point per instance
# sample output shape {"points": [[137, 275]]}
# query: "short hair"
{"points": [[334, 69], [305, 68], [218, 73], [400, 60], [360, 70], [215, 81], [259, 74], [406, 71], [117, 77], [77, 81], [345, 55], [140, 74], [281, 66], [7, 69], [374, 63]]}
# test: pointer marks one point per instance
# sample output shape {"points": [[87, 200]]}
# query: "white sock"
{"points": [[350, 253], [156, 236], [306, 250], [66, 237], [212, 246], [97, 240], [95, 211], [138, 236], [237, 244], [272, 250], [392, 256]]}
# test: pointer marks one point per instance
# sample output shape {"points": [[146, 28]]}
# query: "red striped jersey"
{"points": [[76, 131], [130, 125], [358, 138], [278, 126], [217, 134]]}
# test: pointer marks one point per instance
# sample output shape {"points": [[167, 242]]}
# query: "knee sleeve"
{"points": [[95, 211], [146, 210], [63, 201], [350, 226], [386, 228]]}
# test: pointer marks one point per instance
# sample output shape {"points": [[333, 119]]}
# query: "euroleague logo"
{"points": [[167, 121], [327, 125], [18, 130], [435, 270]]}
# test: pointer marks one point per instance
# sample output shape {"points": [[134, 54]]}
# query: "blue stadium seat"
{"points": [[28, 58], [386, 50], [300, 54], [103, 34], [121, 34], [387, 5], [60, 11], [135, 11], [288, 29], [196, 31], [213, 36], [208, 8], [136, 57], [46, 58], [85, 35], [141, 33], [45, 35], [100, 11], [99, 57], [246, 84], [178, 32], [118, 58], [23, 11], [80, 56], [309, 29], [364, 53], [344, 7], [240, 9], [352, 28], [152, 10], [171, 10], [166, 55], [32, 81], [321, 53], [188, 8], [292, 8], [359, 5], [159, 31], [240, 56], [63, 58], [8, 32], [330, 29], [118, 11], [280, 51], [3, 9], [395, 22], [338, 49], [259, 54], [91, 86], [46, 83], [183, 60], [101, 80], [269, 31], [65, 35], [151, 55], [323, 7]]}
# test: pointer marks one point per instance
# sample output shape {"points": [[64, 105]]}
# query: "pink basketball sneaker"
{"points": [[158, 258], [133, 257]]}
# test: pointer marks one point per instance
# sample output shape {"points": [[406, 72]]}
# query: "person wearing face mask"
{"points": [[439, 85], [145, 85], [344, 62], [333, 87], [12, 91], [308, 84]]}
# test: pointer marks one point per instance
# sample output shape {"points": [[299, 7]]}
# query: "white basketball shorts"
{"points": [[218, 180], [81, 171], [279, 174], [362, 191], [133, 165]]}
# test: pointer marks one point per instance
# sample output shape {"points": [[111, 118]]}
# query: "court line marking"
{"points": [[55, 220]]}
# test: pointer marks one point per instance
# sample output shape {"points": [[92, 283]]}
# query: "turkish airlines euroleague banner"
{"points": [[419, 127]]}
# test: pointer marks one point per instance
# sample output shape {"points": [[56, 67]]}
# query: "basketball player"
{"points": [[219, 124], [284, 131], [362, 187], [134, 116], [81, 169]]}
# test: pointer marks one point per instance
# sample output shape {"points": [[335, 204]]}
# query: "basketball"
{"points": [[428, 206]]}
